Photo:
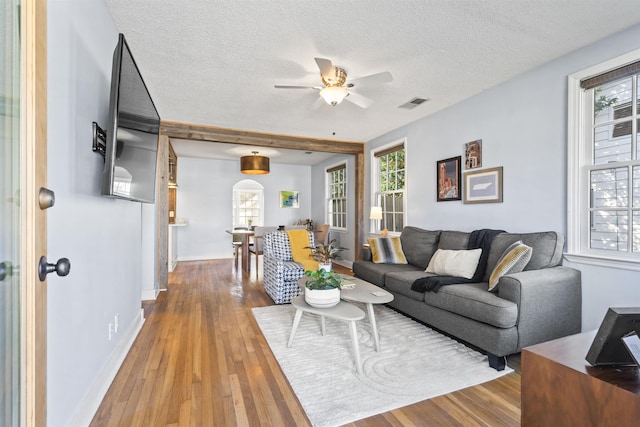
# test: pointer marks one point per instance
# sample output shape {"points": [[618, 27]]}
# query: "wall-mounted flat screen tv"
{"points": [[132, 132]]}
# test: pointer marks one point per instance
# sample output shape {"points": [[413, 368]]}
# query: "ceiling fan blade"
{"points": [[297, 87], [379, 78], [326, 67], [359, 100], [318, 103]]}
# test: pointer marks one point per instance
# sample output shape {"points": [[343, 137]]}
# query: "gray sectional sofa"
{"points": [[539, 304]]}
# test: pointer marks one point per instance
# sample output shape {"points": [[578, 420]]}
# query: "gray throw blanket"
{"points": [[478, 239]]}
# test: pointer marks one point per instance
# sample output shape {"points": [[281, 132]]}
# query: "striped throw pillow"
{"points": [[513, 260], [386, 250]]}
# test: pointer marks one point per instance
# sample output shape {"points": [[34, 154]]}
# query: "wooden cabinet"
{"points": [[560, 388]]}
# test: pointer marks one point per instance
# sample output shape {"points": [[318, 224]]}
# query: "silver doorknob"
{"points": [[5, 270], [46, 198], [61, 267]]}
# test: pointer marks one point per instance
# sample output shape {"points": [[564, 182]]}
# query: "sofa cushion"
{"points": [[546, 249], [472, 300], [399, 282], [386, 250], [375, 273], [453, 240], [419, 245], [461, 263], [513, 260]]}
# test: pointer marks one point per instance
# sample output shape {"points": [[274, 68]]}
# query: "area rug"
{"points": [[414, 363]]}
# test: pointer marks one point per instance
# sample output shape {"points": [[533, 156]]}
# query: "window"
{"points": [[389, 186], [604, 165], [337, 196], [248, 204]]}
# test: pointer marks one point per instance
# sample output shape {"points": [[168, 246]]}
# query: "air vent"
{"points": [[413, 103]]}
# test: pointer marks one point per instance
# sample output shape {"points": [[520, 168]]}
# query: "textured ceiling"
{"points": [[216, 62]]}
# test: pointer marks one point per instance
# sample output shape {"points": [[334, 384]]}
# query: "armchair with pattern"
{"points": [[281, 273]]}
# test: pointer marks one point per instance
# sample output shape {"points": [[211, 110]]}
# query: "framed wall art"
{"points": [[473, 154], [483, 186], [448, 179], [289, 199]]}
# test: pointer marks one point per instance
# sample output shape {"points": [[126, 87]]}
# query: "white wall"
{"points": [[101, 236], [204, 197], [523, 127]]}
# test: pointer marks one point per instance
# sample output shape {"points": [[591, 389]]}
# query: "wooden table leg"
{"points": [[245, 253]]}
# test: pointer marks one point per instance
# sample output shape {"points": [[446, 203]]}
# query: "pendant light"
{"points": [[254, 165]]}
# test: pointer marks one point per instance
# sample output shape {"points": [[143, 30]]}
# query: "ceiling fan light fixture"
{"points": [[334, 95], [254, 165]]}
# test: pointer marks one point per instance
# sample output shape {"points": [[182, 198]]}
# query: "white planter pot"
{"points": [[325, 267], [322, 298]]}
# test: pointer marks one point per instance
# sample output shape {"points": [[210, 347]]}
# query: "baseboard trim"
{"points": [[89, 406], [204, 257], [150, 294], [344, 263]]}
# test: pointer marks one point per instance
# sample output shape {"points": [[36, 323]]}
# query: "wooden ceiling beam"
{"points": [[259, 139]]}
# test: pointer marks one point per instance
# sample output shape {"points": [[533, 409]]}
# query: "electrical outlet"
{"points": [[110, 331], [116, 323]]}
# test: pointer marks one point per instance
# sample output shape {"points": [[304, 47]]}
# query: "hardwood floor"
{"points": [[201, 360]]}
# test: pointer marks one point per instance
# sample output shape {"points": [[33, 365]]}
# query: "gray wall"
{"points": [[204, 197], [319, 206], [523, 127], [100, 236]]}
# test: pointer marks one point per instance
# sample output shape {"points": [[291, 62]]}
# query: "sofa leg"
{"points": [[497, 362]]}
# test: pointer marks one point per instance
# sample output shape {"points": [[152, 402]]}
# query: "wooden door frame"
{"points": [[33, 170], [194, 132]]}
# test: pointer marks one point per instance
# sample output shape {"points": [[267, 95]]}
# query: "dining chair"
{"points": [[258, 241], [237, 243], [295, 227]]}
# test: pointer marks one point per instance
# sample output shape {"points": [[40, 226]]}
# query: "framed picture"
{"points": [[448, 179], [289, 199], [473, 154], [483, 186]]}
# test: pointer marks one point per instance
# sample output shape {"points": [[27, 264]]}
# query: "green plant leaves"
{"points": [[322, 279]]}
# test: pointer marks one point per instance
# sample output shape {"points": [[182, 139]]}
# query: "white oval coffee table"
{"points": [[369, 294], [343, 311]]}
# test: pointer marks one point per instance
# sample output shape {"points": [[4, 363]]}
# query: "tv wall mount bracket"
{"points": [[99, 140]]}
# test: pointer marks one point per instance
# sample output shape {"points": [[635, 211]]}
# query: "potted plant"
{"points": [[325, 253], [322, 289]]}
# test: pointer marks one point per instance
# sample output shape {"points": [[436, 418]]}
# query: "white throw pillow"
{"points": [[454, 263]]}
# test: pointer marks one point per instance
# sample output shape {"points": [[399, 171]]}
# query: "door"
{"points": [[22, 223], [9, 216]]}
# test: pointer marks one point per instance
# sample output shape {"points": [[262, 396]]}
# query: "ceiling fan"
{"points": [[335, 87]]}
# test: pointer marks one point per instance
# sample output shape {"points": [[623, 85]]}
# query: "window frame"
{"points": [[328, 199], [579, 166], [376, 195], [236, 206]]}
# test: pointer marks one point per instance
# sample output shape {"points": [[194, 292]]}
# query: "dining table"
{"points": [[245, 234]]}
